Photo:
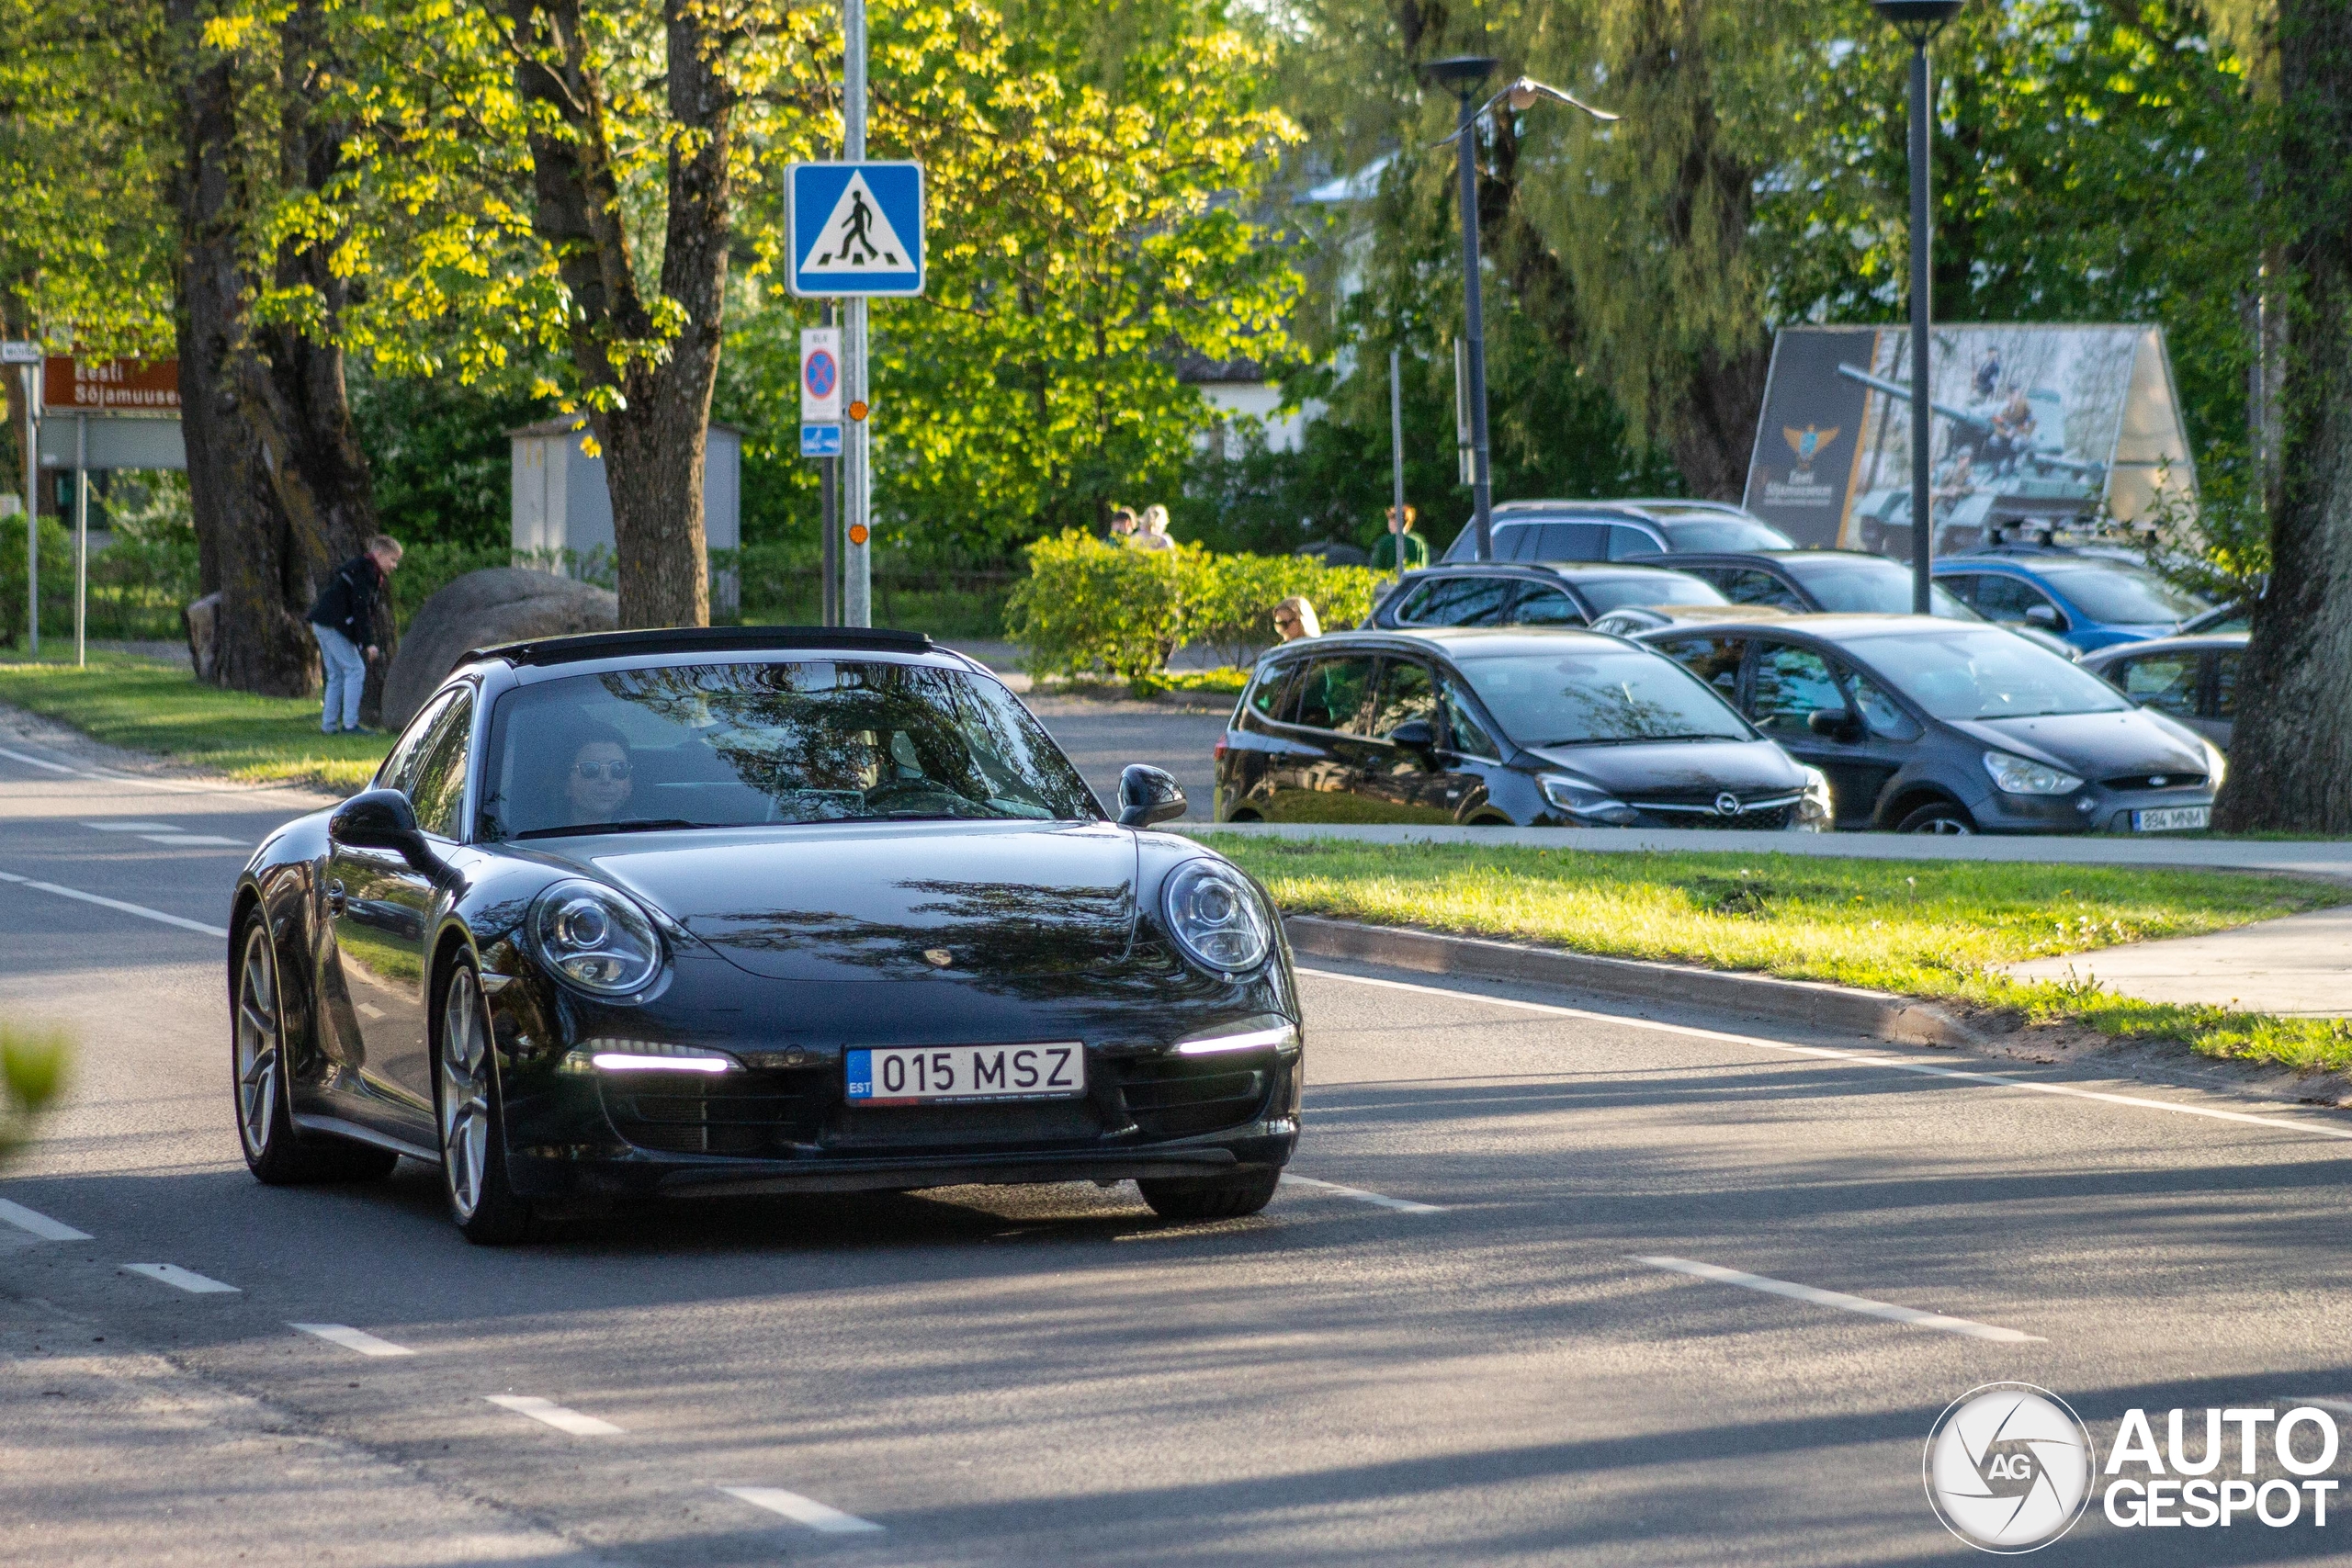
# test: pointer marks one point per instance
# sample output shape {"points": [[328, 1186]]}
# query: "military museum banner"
{"points": [[2034, 428]]}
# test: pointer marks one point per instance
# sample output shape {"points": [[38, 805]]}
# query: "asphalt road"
{"points": [[1444, 1346]]}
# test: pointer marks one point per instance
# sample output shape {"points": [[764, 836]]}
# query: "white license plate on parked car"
{"points": [[2171, 819], [931, 1075]]}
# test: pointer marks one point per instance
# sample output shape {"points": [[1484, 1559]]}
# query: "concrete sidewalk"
{"points": [[2329, 858], [2298, 967]]}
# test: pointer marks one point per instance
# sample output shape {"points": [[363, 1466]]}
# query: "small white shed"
{"points": [[563, 514]]}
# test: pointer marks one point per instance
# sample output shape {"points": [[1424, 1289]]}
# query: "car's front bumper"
{"points": [[2094, 808]]}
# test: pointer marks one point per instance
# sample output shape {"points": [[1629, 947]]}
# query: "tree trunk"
{"points": [[652, 432], [2291, 758], [278, 484]]}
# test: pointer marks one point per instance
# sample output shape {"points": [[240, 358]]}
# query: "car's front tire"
{"points": [[275, 1151], [1211, 1197], [1937, 817], [471, 1116]]}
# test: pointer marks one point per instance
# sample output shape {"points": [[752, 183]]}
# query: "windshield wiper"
{"points": [[1634, 740], [649, 825]]}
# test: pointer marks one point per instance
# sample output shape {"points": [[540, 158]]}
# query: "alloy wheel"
{"points": [[465, 1092], [260, 1042]]}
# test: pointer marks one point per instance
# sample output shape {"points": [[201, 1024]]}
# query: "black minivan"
{"points": [[1475, 724], [1929, 725]]}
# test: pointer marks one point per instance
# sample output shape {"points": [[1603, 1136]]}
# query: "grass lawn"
{"points": [[1918, 929], [143, 705]]}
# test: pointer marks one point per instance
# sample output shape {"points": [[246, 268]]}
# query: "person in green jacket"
{"points": [[1401, 541]]}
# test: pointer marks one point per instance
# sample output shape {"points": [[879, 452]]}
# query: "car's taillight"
{"points": [[1217, 751]]}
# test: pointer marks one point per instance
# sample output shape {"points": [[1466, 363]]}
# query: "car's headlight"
{"points": [[596, 938], [2217, 767], [1814, 812], [1578, 798], [2021, 775], [1217, 918]]}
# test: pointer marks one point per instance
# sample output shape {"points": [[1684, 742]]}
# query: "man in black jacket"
{"points": [[343, 621]]}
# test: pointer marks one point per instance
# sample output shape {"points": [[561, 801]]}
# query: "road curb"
{"points": [[1875, 1013]]}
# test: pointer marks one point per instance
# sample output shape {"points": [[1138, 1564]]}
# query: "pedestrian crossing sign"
{"points": [[856, 229]]}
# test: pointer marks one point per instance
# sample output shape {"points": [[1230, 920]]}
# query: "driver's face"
{"points": [[598, 782]]}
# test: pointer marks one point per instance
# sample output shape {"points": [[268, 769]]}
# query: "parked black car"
{"points": [[1540, 728], [753, 910], [1804, 582], [1929, 725], [2191, 679], [1617, 530], [1493, 594]]}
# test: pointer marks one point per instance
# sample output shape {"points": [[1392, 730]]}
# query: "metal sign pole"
{"points": [[857, 608], [829, 497], [81, 537], [1397, 456], [32, 507]]}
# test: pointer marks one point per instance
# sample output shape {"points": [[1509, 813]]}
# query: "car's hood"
{"points": [[2093, 745], [1666, 770], [861, 901]]}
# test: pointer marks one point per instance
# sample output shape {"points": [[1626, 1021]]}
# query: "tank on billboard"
{"points": [[2036, 429]]}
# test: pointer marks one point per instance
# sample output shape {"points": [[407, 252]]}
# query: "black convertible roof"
{"points": [[701, 639]]}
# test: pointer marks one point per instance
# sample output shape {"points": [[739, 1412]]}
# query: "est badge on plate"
{"points": [[2172, 819], [933, 1074]]}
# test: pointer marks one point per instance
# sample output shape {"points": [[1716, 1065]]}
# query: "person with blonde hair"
{"points": [[1151, 534], [1295, 618]]}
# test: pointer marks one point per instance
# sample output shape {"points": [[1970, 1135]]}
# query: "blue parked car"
{"points": [[2091, 601]]}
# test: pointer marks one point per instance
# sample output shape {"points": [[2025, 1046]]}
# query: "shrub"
{"points": [[1089, 607]]}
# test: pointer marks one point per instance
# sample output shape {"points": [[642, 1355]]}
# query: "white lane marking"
{"points": [[130, 826], [37, 762], [142, 911], [803, 1510], [352, 1338], [1402, 1205], [1857, 1058], [181, 1278], [200, 839], [554, 1415], [39, 1225], [1862, 1305]]}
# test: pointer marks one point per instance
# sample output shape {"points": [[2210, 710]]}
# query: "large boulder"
{"points": [[504, 603]]}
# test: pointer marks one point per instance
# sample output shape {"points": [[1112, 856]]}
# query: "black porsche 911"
{"points": [[753, 910]]}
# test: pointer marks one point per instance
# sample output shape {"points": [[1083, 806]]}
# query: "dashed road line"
{"points": [[803, 1510], [130, 826], [39, 1225], [199, 840], [142, 911], [352, 1338], [37, 762], [1839, 1299], [1402, 1205], [1855, 1058], [555, 1415], [181, 1278]]}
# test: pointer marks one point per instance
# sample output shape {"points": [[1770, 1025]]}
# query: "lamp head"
{"points": [[1459, 73], [1917, 20]]}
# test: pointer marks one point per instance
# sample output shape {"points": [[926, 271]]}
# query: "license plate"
{"points": [[2171, 819], [933, 1074]]}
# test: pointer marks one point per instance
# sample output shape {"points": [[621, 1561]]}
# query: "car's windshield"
{"points": [[2119, 592], [1724, 534], [1872, 585], [735, 744], [1598, 696], [1647, 588], [1966, 672]]}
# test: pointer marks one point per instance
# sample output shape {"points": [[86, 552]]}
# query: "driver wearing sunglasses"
{"points": [[598, 782]]}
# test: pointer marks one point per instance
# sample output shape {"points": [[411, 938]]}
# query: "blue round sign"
{"points": [[821, 374]]}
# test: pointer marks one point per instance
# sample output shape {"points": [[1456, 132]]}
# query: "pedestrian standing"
{"points": [[1153, 534], [1122, 526], [343, 622], [1401, 542], [1295, 618]]}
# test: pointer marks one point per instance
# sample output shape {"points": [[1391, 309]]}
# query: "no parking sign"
{"points": [[821, 391]]}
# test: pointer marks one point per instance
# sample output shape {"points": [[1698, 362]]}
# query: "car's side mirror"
{"points": [[380, 820], [1148, 796], [2046, 616], [1833, 724], [1415, 734]]}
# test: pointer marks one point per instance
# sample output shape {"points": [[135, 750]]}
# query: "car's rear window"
{"points": [[1724, 534], [739, 744], [1872, 585], [1647, 588]]}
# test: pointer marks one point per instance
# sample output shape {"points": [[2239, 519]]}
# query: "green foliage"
{"points": [[56, 581], [439, 456], [32, 1075], [429, 565], [1089, 607]]}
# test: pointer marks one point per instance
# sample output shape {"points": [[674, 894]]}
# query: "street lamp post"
{"points": [[1461, 75], [1919, 21]]}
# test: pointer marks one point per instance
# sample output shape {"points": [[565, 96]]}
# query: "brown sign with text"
{"points": [[109, 386]]}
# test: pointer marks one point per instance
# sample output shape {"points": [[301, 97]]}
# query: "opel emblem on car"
{"points": [[1726, 805]]}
